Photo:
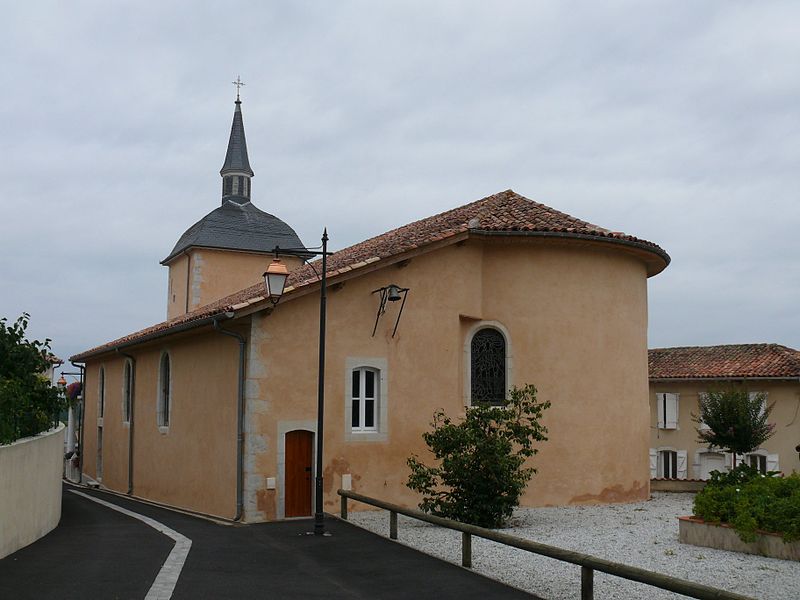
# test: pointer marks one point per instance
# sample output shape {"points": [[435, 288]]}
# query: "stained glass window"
{"points": [[488, 369]]}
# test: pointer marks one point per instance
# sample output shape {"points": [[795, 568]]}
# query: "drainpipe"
{"points": [[82, 369], [239, 423], [132, 392]]}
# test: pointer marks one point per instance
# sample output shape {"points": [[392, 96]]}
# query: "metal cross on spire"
{"points": [[238, 83]]}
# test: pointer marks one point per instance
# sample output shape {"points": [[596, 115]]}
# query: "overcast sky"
{"points": [[677, 122]]}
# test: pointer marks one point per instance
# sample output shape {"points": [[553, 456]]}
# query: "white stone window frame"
{"points": [[468, 357], [164, 428], [127, 385], [381, 368], [101, 394]]}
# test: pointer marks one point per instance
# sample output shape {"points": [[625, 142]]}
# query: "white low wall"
{"points": [[30, 489]]}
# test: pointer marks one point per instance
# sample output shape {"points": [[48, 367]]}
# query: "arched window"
{"points": [[488, 366], [127, 387], [101, 393], [365, 399], [164, 390]]}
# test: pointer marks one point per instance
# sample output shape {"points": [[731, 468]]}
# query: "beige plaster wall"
{"points": [[577, 319], [786, 415], [193, 463], [214, 274], [30, 489]]}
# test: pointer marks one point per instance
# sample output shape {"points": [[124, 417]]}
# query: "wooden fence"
{"points": [[588, 563]]}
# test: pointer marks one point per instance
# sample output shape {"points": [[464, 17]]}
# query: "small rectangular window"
{"points": [[356, 413], [668, 463], [667, 410], [356, 382]]}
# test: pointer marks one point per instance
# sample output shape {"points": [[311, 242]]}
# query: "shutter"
{"points": [[682, 459], [660, 407], [671, 416], [772, 462], [653, 463]]}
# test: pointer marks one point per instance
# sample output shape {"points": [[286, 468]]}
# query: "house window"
{"points": [[763, 396], [101, 393], [365, 400], [366, 411], [164, 390], [667, 411], [668, 464], [488, 366], [759, 462], [127, 387]]}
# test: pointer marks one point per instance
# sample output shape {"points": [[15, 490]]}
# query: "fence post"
{"points": [[466, 550], [344, 507], [587, 583], [393, 525]]}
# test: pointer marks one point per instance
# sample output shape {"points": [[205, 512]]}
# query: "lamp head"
{"points": [[275, 279]]}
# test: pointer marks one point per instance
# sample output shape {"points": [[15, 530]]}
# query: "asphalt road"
{"points": [[98, 553]]}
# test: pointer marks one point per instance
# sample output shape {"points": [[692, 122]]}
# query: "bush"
{"points": [[481, 476], [29, 404], [750, 501]]}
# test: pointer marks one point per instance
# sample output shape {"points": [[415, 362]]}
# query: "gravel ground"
{"points": [[643, 534]]}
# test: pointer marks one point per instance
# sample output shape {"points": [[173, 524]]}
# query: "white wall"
{"points": [[30, 489]]}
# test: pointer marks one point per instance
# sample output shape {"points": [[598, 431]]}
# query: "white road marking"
{"points": [[167, 577]]}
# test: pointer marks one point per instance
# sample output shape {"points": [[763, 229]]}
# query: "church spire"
{"points": [[236, 172]]}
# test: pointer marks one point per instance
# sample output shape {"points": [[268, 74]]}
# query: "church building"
{"points": [[214, 410]]}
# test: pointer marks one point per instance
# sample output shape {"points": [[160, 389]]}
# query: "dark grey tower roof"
{"points": [[236, 160], [235, 226]]}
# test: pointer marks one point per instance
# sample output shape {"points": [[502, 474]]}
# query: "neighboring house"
{"points": [[503, 291], [679, 376]]}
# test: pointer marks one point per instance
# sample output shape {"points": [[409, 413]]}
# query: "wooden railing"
{"points": [[588, 563]]}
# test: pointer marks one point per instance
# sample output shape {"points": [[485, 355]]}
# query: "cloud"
{"points": [[675, 123]]}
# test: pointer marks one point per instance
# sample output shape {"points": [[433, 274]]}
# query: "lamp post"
{"points": [[275, 281]]}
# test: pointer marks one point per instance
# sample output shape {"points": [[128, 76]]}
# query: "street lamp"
{"points": [[275, 281]]}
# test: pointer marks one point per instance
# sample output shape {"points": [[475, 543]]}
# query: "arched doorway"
{"points": [[299, 446]]}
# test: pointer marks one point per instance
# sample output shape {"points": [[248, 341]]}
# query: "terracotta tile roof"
{"points": [[736, 361], [503, 212]]}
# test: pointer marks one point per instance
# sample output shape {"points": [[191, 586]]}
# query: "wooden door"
{"points": [[299, 446]]}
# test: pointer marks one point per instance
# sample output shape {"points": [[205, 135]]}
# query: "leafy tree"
{"points": [[481, 476], [28, 401], [731, 419]]}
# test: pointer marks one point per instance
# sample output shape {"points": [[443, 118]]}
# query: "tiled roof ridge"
{"points": [[503, 211]]}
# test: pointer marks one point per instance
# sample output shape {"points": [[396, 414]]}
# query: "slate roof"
{"points": [[235, 226], [502, 213], [236, 160], [737, 361]]}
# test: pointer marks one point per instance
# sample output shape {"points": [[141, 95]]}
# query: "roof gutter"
{"points": [[82, 369], [239, 421], [221, 316]]}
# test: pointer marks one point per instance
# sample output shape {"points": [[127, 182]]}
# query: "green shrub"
{"points": [[481, 475], [750, 501], [29, 404]]}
